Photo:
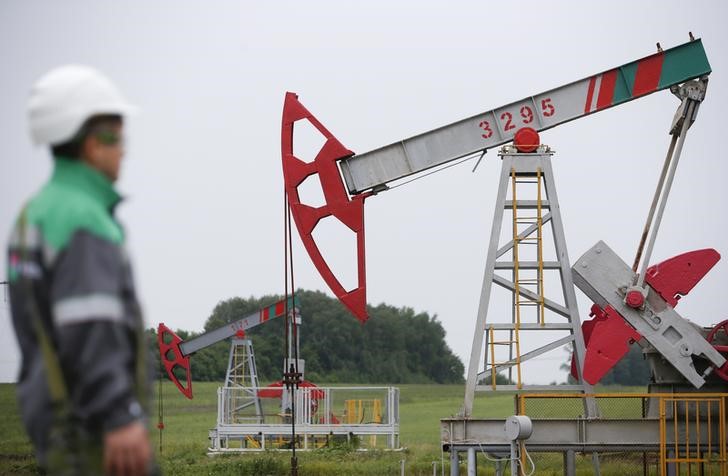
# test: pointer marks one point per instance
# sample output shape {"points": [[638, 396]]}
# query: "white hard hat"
{"points": [[65, 97]]}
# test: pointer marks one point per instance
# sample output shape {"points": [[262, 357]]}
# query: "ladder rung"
{"points": [[527, 265], [508, 363], [532, 326], [526, 204], [503, 342]]}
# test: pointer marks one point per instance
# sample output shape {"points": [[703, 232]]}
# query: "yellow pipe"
{"points": [[663, 442], [516, 284], [492, 358]]}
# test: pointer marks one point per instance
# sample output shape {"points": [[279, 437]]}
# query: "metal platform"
{"points": [[362, 417], [683, 430]]}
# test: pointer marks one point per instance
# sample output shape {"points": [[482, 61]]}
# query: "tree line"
{"points": [[395, 346]]}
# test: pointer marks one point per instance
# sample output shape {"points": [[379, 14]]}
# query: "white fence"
{"points": [[250, 419]]}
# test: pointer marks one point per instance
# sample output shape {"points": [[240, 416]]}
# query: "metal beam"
{"points": [[497, 126], [534, 388], [530, 326], [559, 434], [530, 355], [527, 265], [550, 305], [525, 233], [228, 330], [526, 204]]}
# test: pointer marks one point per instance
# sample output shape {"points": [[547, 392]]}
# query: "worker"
{"points": [[82, 385]]}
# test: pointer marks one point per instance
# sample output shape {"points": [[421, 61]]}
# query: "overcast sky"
{"points": [[203, 168]]}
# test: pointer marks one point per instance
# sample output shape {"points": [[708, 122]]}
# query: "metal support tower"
{"points": [[524, 171], [242, 376]]}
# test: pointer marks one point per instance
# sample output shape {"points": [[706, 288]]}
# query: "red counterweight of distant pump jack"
{"points": [[508, 123]]}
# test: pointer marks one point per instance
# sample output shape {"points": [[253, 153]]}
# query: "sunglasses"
{"points": [[109, 138]]}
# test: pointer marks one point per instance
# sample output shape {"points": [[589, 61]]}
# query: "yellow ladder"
{"points": [[519, 302]]}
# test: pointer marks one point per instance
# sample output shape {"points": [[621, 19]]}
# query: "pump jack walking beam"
{"points": [[369, 173], [175, 352], [543, 111]]}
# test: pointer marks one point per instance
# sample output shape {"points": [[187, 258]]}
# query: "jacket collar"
{"points": [[81, 176]]}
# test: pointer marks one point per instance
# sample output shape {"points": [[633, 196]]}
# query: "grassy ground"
{"points": [[185, 438]]}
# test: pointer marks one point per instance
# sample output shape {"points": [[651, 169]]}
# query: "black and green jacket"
{"points": [[74, 273]]}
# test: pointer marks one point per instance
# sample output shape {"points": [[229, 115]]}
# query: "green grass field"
{"points": [[187, 422], [185, 438]]}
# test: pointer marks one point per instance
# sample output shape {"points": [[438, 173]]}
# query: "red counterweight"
{"points": [[607, 337], [677, 276]]}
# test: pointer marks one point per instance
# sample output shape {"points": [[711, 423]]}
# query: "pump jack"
{"points": [[175, 353], [629, 306], [682, 69], [245, 423]]}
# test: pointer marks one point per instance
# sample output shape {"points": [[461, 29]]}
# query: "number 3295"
{"points": [[526, 117]]}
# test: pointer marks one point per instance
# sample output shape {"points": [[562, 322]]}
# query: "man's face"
{"points": [[104, 149]]}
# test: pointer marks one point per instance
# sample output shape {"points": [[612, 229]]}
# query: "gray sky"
{"points": [[203, 172]]}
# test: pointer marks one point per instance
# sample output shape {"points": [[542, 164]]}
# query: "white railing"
{"points": [[255, 419]]}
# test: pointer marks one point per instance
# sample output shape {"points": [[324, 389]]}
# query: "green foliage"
{"points": [[631, 370], [396, 345]]}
